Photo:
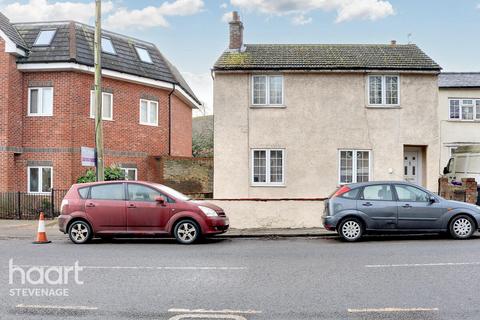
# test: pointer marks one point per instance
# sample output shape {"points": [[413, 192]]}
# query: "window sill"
{"points": [[464, 121], [39, 193], [268, 185], [39, 115], [382, 106], [103, 119], [149, 124], [268, 106]]}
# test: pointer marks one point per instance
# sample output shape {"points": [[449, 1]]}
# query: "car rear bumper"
{"points": [[217, 225], [63, 222], [329, 222]]}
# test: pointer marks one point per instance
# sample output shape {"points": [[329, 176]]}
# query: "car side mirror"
{"points": [[433, 199], [445, 170], [160, 200]]}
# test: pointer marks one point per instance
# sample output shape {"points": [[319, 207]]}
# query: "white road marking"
{"points": [[178, 310], [406, 265], [375, 310], [207, 316], [144, 267], [40, 306]]}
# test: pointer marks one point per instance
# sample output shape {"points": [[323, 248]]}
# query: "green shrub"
{"points": [[113, 172]]}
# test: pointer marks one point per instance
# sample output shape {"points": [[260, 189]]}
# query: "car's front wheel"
{"points": [[80, 232], [462, 227], [186, 232], [350, 229]]}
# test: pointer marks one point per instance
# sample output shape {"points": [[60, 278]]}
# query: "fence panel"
{"points": [[24, 205]]}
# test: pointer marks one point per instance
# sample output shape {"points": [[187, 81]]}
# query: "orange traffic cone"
{"points": [[41, 233]]}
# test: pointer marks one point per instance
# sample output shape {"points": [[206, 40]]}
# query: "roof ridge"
{"points": [[331, 44]]}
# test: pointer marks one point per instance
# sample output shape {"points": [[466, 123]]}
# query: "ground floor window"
{"points": [[354, 166], [40, 179], [268, 166], [130, 173]]}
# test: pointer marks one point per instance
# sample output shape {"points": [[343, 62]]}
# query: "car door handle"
{"points": [[367, 204], [90, 205], [132, 205], [406, 206]]}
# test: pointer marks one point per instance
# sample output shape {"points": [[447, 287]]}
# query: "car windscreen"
{"points": [[174, 193]]}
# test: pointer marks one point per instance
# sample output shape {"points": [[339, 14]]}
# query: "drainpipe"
{"points": [[170, 120]]}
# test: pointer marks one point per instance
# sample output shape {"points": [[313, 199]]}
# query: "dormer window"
{"points": [[143, 55], [107, 46], [45, 37]]}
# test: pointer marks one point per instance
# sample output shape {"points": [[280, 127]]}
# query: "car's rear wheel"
{"points": [[462, 227], [186, 232], [350, 229], [80, 232]]}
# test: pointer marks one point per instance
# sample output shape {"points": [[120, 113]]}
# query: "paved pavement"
{"points": [[394, 277], [26, 229]]}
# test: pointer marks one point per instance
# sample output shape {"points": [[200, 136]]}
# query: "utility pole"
{"points": [[98, 92]]}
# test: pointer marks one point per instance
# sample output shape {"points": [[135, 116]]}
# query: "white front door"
{"points": [[411, 171]]}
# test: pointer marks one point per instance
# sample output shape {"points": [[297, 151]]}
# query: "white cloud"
{"points": [[298, 9], [202, 85], [227, 17], [300, 20], [43, 10], [223, 6], [152, 16]]}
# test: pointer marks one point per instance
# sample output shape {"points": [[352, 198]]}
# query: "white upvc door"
{"points": [[411, 167]]}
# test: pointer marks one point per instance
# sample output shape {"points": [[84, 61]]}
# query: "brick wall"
{"points": [[467, 192], [188, 175], [58, 138]]}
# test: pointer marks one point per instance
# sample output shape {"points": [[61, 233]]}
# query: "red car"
{"points": [[136, 208]]}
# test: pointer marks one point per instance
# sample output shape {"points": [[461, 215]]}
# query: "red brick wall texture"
{"points": [[58, 138]]}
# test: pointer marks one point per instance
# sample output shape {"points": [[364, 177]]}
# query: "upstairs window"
{"points": [[464, 109], [383, 90], [45, 37], [40, 101], [143, 55], [130, 173], [107, 105], [107, 46], [267, 90], [148, 112]]}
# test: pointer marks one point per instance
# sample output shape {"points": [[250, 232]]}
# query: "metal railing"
{"points": [[27, 206]]}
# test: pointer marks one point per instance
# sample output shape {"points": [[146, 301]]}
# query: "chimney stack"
{"points": [[236, 32], [393, 43]]}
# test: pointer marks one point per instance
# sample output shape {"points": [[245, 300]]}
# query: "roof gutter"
{"points": [[170, 120]]}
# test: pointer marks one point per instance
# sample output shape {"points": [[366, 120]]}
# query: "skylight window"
{"points": [[143, 55], [44, 37], [107, 46]]}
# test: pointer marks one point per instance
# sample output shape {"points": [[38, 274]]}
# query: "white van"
{"points": [[465, 163]]}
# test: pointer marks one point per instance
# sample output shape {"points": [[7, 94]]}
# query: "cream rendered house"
{"points": [[458, 111], [293, 122]]}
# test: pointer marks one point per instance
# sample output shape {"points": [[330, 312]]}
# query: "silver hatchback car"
{"points": [[394, 206]]}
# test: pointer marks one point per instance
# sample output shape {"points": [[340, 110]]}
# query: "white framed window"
{"points": [[268, 167], [464, 109], [267, 90], [107, 46], [39, 179], [45, 37], [384, 90], [144, 55], [148, 112], [130, 173], [107, 105], [354, 166], [40, 101]]}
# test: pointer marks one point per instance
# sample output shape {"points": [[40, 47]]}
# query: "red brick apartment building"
{"points": [[46, 80]]}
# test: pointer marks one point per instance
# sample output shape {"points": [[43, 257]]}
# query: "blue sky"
{"points": [[192, 33]]}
